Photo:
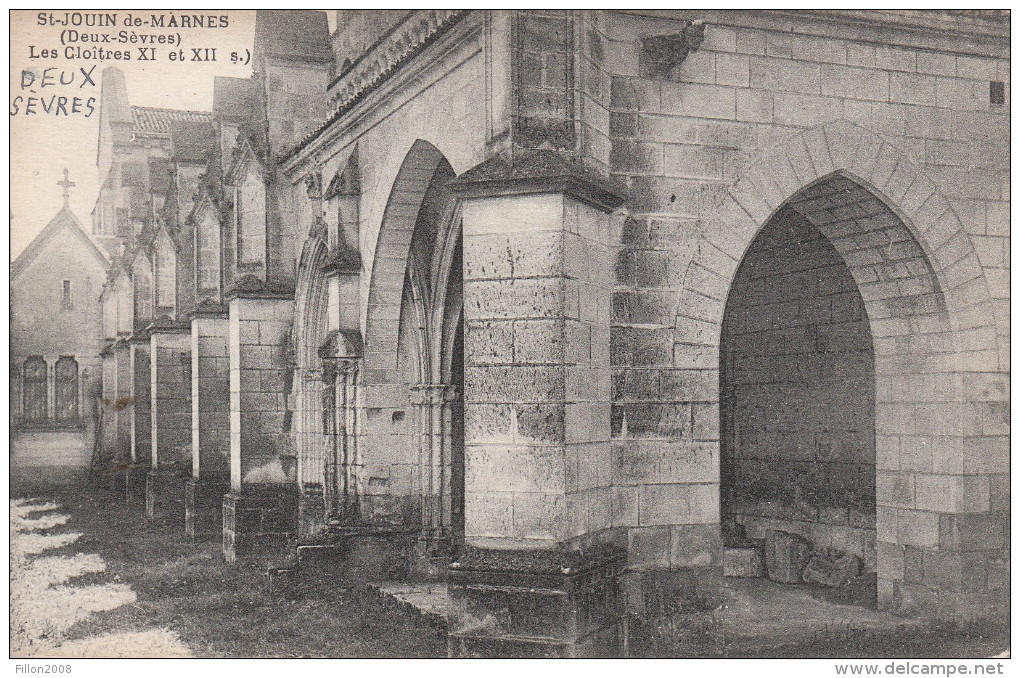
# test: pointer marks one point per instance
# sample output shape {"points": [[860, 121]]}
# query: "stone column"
{"points": [[170, 386], [429, 406], [432, 417], [261, 508], [210, 423], [537, 280], [141, 415], [312, 456], [123, 408], [340, 487]]}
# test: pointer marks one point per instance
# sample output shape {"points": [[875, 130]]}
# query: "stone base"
{"points": [[661, 592], [537, 603], [311, 515], [258, 519], [164, 497], [203, 507], [371, 552], [137, 480], [341, 555]]}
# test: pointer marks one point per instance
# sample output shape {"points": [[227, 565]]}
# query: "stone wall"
{"points": [[210, 397], [798, 389], [260, 447], [710, 149], [171, 401], [885, 138]]}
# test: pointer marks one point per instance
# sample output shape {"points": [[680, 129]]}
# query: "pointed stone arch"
{"points": [[391, 252], [407, 430], [310, 329], [932, 320], [872, 163], [311, 298]]}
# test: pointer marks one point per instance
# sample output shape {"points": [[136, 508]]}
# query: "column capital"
{"points": [[433, 394], [522, 171]]}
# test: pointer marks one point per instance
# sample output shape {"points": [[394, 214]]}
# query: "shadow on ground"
{"points": [[219, 609]]}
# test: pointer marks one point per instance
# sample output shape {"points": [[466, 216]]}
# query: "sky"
{"points": [[42, 145]]}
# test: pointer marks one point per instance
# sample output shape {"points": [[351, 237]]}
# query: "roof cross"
{"points": [[67, 184]]}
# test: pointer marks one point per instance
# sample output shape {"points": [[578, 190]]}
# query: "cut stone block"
{"points": [[786, 556], [832, 569], [742, 562]]}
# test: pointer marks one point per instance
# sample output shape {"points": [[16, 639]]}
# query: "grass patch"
{"points": [[227, 610]]}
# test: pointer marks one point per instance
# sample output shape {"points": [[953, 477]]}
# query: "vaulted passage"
{"points": [[798, 396]]}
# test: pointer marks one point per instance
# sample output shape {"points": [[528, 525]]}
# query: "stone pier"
{"points": [[261, 508], [170, 361], [141, 415], [540, 572], [210, 423]]}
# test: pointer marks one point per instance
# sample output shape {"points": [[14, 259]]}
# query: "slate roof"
{"points": [[156, 122]]}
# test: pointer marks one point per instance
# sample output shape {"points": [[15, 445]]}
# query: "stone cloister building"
{"points": [[559, 306]]}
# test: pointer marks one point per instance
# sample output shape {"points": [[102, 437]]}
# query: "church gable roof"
{"points": [[64, 220]]}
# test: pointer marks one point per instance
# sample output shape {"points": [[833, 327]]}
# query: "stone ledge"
{"points": [[529, 171], [253, 287], [537, 603]]}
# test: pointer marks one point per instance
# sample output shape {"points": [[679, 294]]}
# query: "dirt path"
{"points": [[46, 602]]}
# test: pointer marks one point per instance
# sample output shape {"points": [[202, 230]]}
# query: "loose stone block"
{"points": [[786, 556], [743, 562]]}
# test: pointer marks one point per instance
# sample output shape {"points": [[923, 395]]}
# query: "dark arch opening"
{"points": [[797, 378]]}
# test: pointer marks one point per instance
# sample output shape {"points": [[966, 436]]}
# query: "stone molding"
{"points": [[380, 62], [531, 171]]}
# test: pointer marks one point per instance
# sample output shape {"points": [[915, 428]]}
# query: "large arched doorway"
{"points": [[920, 286], [430, 361], [797, 401]]}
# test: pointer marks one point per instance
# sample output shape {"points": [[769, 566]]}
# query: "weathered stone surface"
{"points": [[846, 382], [546, 603], [743, 562], [831, 568], [786, 556]]}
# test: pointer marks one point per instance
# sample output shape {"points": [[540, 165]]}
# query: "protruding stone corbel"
{"points": [[661, 55], [313, 185]]}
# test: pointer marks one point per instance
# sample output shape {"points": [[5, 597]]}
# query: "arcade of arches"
{"points": [[564, 307], [377, 446]]}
